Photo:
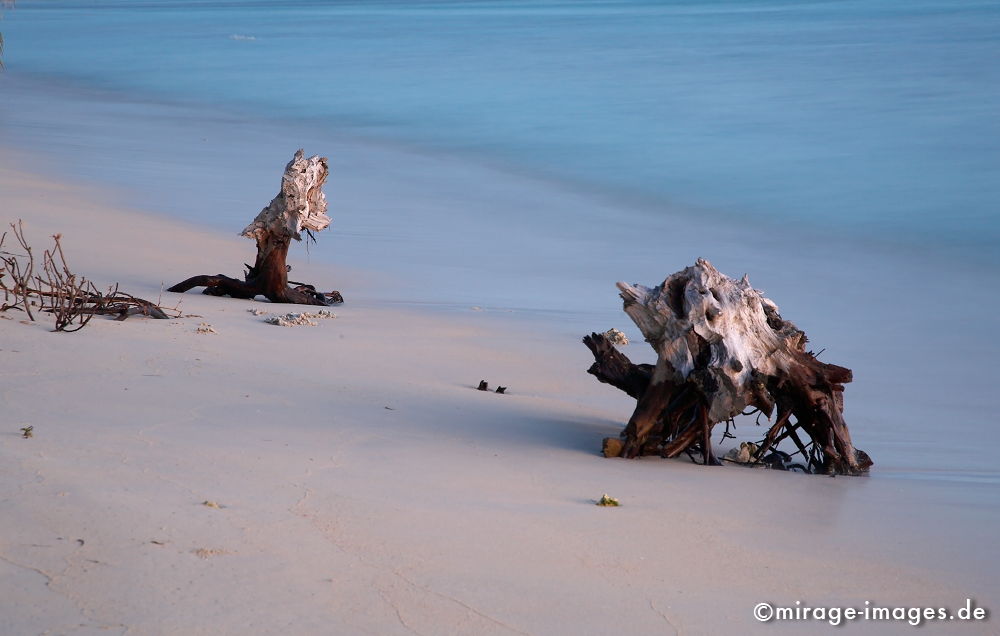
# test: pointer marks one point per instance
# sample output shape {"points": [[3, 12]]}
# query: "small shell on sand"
{"points": [[741, 454], [607, 500], [206, 328]]}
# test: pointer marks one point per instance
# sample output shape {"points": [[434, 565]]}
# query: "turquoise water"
{"points": [[868, 118]]}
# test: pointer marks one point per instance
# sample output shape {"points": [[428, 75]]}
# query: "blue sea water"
{"points": [[873, 118]]}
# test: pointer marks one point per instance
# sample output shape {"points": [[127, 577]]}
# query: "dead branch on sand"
{"points": [[71, 299]]}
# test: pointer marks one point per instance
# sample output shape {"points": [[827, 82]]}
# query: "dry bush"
{"points": [[54, 288]]}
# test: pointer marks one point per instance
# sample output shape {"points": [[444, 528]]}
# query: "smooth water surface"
{"points": [[870, 118]]}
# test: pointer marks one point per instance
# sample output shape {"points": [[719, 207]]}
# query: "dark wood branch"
{"points": [[612, 367], [218, 285]]}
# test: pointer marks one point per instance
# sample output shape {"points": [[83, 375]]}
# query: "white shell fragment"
{"points": [[206, 328], [300, 319], [616, 337]]}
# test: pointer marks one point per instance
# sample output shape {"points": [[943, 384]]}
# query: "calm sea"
{"points": [[875, 118]]}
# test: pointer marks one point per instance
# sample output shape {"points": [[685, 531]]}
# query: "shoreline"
{"points": [[733, 224]]}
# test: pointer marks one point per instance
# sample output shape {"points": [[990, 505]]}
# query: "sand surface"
{"points": [[362, 486]]}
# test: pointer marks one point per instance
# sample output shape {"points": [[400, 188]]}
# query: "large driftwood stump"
{"points": [[300, 205], [722, 348]]}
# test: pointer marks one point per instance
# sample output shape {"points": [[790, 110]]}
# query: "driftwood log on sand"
{"points": [[723, 348], [300, 205]]}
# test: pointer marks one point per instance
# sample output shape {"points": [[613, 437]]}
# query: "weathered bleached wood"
{"points": [[300, 205], [723, 347]]}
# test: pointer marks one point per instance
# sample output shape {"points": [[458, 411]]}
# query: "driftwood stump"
{"points": [[300, 205], [722, 348]]}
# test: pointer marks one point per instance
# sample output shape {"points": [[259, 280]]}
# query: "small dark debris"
{"points": [[501, 389], [483, 386], [777, 460], [80, 541]]}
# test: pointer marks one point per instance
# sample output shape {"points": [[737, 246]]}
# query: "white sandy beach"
{"points": [[365, 487]]}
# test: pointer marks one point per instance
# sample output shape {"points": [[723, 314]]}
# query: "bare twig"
{"points": [[72, 300]]}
